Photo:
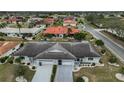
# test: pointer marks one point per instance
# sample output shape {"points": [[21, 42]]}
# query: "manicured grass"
{"points": [[8, 73]]}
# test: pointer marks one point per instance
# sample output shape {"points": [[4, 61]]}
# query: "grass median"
{"points": [[53, 73]]}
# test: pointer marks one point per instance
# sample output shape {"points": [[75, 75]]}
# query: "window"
{"points": [[90, 58]]}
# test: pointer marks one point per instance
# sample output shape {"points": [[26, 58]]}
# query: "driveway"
{"points": [[43, 74], [64, 73]]}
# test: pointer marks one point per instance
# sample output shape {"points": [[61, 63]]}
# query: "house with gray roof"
{"points": [[62, 53]]}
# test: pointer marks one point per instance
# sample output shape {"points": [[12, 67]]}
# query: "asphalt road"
{"points": [[116, 49], [64, 73]]}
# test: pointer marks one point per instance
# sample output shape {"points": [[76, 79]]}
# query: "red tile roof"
{"points": [[68, 18], [49, 20], [6, 46], [60, 30], [11, 19], [70, 21]]}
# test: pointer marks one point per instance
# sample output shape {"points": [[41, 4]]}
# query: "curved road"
{"points": [[116, 49]]}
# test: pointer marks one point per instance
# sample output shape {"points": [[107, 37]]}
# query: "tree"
{"points": [[19, 27], [2, 34], [79, 36], [69, 31], [21, 45], [10, 60], [99, 43], [3, 59]]}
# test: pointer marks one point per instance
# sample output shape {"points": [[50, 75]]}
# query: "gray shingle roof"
{"points": [[52, 50]]}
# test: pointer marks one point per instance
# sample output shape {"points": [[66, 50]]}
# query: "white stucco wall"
{"points": [[95, 60], [66, 24], [55, 62]]}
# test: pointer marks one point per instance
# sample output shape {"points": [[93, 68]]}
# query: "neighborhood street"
{"points": [[64, 73], [116, 49]]}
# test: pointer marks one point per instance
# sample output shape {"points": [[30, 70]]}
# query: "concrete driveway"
{"points": [[43, 74], [64, 73]]}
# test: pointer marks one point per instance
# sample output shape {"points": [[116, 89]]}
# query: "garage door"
{"points": [[50, 62], [67, 62]]}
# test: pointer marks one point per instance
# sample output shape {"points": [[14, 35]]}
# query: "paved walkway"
{"points": [[64, 73], [43, 74]]}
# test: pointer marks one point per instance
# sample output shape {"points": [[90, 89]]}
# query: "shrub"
{"points": [[2, 34], [99, 42], [22, 44], [33, 38], [103, 51], [113, 59], [3, 59], [93, 64], [18, 60], [122, 70], [49, 35], [79, 79], [10, 60], [33, 67], [28, 63], [79, 36]]}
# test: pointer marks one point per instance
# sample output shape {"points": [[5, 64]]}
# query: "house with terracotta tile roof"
{"points": [[7, 48], [60, 30], [69, 22], [48, 20]]}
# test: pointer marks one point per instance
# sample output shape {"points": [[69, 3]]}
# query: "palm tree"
{"points": [[69, 30], [19, 27]]}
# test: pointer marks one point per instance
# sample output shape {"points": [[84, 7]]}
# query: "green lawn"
{"points": [[8, 73]]}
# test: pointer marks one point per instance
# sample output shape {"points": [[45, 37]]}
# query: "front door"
{"points": [[59, 62], [40, 64]]}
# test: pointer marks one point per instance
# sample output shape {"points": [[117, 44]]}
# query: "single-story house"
{"points": [[62, 53], [69, 22], [60, 30], [7, 48], [48, 20], [14, 32]]}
